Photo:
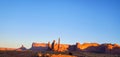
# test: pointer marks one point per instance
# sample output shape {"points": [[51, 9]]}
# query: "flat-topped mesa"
{"points": [[39, 46], [86, 45]]}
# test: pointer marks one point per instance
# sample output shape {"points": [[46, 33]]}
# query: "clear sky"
{"points": [[27, 21]]}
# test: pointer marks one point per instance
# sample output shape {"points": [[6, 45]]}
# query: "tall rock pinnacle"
{"points": [[58, 44], [53, 45]]}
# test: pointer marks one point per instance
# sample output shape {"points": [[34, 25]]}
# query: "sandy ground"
{"points": [[59, 55]]}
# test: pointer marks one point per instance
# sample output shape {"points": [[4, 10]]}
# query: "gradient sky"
{"points": [[27, 21]]}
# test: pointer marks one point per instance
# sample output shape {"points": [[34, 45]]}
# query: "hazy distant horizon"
{"points": [[28, 21]]}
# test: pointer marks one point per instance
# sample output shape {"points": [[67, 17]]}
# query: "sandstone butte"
{"points": [[57, 46]]}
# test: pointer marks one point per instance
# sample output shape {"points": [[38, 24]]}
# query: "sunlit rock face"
{"points": [[39, 46], [89, 47]]}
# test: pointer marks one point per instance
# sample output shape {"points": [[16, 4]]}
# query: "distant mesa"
{"points": [[39, 46], [7, 49], [22, 48], [85, 47]]}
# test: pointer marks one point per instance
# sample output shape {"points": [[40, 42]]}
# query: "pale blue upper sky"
{"points": [[27, 21]]}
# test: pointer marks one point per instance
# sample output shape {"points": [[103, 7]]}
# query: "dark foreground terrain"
{"points": [[53, 54]]}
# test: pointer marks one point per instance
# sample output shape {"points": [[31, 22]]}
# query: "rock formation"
{"points": [[59, 47], [49, 46], [39, 46], [86, 47], [78, 46], [22, 48], [63, 47], [53, 47], [112, 49], [58, 44]]}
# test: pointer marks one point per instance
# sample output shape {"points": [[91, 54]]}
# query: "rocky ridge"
{"points": [[85, 47]]}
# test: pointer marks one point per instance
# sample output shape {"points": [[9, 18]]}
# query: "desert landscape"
{"points": [[59, 28], [55, 49]]}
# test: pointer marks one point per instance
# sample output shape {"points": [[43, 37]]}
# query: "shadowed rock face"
{"points": [[112, 49], [54, 46]]}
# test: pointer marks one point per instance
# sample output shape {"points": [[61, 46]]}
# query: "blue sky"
{"points": [[27, 21]]}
